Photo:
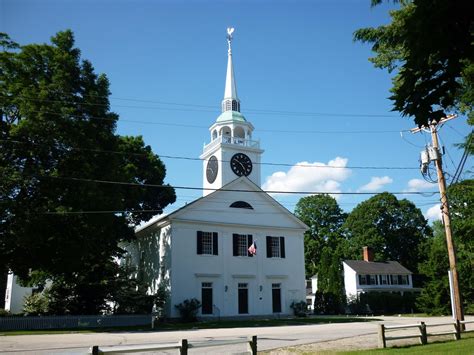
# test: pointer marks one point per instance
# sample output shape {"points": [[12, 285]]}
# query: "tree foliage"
{"points": [[435, 295], [395, 229], [430, 44], [324, 249], [324, 217], [58, 145]]}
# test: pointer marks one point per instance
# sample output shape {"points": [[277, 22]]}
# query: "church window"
{"points": [[241, 204], [275, 247], [207, 243], [241, 244]]}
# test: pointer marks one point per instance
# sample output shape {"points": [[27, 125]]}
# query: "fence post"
{"points": [[423, 334], [252, 345], [95, 350], [381, 332], [183, 350], [457, 330]]}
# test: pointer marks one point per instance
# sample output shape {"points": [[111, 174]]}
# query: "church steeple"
{"points": [[231, 101], [231, 152]]}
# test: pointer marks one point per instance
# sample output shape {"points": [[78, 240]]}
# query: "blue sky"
{"points": [[308, 89]]}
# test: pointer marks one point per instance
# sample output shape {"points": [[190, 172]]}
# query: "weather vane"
{"points": [[230, 30]]}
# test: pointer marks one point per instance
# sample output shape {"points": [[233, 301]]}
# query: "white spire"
{"points": [[231, 101]]}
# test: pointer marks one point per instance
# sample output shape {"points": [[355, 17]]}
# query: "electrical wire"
{"points": [[322, 166], [463, 160], [428, 193], [214, 108], [202, 126]]}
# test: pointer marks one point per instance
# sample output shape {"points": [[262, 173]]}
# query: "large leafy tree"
{"points": [[430, 44], [394, 228], [435, 295], [58, 219], [324, 217]]}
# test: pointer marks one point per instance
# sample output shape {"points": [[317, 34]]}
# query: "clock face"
{"points": [[241, 164], [212, 169]]}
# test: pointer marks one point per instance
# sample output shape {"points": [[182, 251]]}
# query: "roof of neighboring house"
{"points": [[377, 267]]}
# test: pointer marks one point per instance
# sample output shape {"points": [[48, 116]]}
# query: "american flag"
{"points": [[253, 249]]}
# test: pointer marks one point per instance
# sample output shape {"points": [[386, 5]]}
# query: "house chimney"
{"points": [[368, 254]]}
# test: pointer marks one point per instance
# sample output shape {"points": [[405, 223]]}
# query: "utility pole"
{"points": [[459, 315]]}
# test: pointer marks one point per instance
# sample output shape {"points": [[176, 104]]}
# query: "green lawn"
{"points": [[461, 347], [167, 326]]}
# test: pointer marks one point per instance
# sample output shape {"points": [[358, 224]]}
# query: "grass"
{"points": [[462, 347], [169, 326]]}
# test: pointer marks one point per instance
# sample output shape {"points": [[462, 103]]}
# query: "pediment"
{"points": [[239, 202]]}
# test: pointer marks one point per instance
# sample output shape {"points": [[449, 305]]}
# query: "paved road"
{"points": [[268, 337]]}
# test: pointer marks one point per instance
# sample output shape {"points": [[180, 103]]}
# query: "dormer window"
{"points": [[241, 204]]}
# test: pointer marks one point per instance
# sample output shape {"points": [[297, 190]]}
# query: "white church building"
{"points": [[236, 249]]}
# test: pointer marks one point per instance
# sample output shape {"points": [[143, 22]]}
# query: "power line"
{"points": [[212, 108], [428, 193], [463, 160], [322, 166], [202, 126]]}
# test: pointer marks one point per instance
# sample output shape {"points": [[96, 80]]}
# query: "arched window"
{"points": [[241, 204]]}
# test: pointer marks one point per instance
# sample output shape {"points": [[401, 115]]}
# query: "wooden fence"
{"points": [[182, 346], [422, 334], [74, 322]]}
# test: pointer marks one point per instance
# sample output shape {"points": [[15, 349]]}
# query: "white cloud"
{"points": [[303, 176], [415, 185], [433, 213], [375, 184]]}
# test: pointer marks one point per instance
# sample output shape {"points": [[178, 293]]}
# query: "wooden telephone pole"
{"points": [[459, 315]]}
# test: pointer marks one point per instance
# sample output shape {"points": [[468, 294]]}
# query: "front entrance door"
{"points": [[276, 298], [206, 298], [243, 298]]}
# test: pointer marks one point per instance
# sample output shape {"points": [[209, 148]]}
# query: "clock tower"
{"points": [[231, 152]]}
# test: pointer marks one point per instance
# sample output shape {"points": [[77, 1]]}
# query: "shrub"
{"points": [[4, 312], [188, 309], [383, 302], [300, 309], [35, 304], [327, 303]]}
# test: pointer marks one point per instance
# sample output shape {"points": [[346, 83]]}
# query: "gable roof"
{"points": [[377, 267], [233, 186]]}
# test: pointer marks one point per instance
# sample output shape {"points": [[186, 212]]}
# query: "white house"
{"points": [[361, 276], [204, 250]]}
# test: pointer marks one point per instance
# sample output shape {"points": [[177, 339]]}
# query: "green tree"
{"points": [[430, 44], [394, 228], [57, 147], [324, 218], [435, 295]]}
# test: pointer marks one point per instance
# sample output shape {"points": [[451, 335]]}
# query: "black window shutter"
{"points": [[249, 243], [269, 247], [399, 279], [235, 243], [391, 279], [199, 242], [367, 278], [214, 244], [282, 247]]}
